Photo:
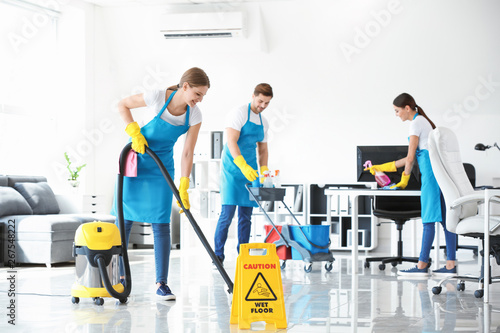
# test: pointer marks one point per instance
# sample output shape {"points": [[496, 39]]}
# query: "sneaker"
{"points": [[415, 271], [445, 272], [163, 292]]}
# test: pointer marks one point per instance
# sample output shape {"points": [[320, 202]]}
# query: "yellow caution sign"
{"points": [[258, 291]]}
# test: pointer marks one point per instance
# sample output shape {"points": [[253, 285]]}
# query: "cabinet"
{"points": [[341, 216], [87, 203], [204, 192], [95, 204]]}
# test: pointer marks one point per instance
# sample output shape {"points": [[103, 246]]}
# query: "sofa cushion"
{"points": [[39, 196], [13, 203]]}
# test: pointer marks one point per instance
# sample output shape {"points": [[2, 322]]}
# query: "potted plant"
{"points": [[74, 173]]}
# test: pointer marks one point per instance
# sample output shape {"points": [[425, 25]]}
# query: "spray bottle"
{"points": [[267, 179], [277, 181], [381, 178]]}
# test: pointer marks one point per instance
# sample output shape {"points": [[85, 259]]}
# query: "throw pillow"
{"points": [[13, 203], [39, 196]]}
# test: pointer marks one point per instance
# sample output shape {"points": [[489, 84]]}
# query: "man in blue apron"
{"points": [[246, 146], [148, 197]]}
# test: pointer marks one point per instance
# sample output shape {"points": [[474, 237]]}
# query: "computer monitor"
{"points": [[383, 154]]}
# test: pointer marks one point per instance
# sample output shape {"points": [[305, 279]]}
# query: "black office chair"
{"points": [[399, 210]]}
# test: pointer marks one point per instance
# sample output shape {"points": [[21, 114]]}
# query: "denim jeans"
{"points": [[161, 236], [428, 238], [225, 218]]}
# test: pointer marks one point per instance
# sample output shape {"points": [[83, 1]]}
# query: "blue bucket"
{"points": [[316, 234]]}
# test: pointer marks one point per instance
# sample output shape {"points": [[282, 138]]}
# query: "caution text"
{"points": [[259, 266]]}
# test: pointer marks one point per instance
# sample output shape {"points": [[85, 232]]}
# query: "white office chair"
{"points": [[462, 214]]}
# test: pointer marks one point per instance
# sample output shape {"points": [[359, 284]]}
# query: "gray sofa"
{"points": [[30, 214]]}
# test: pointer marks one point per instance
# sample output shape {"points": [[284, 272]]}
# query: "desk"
{"points": [[489, 196], [354, 194]]}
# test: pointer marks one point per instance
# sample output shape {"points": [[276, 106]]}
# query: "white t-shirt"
{"points": [[155, 99], [237, 118], [421, 128]]}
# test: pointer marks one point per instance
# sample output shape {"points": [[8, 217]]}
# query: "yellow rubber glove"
{"points": [[263, 169], [246, 169], [138, 140], [386, 167], [403, 183], [183, 188]]}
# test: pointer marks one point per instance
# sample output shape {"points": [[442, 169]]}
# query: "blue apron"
{"points": [[430, 197], [147, 197], [233, 191]]}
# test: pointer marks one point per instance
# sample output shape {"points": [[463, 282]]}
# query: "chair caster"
{"points": [[461, 286], [394, 264], [308, 268], [381, 267], [436, 290], [283, 264], [479, 293], [367, 264], [75, 300]]}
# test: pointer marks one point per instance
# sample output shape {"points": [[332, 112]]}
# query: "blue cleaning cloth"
{"points": [[388, 187]]}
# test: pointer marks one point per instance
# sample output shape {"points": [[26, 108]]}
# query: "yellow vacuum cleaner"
{"points": [[97, 249]]}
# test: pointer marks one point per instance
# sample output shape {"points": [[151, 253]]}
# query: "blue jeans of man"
{"points": [[225, 218], [161, 237]]}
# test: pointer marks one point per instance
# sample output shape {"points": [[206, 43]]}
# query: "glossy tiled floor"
{"points": [[320, 301]]}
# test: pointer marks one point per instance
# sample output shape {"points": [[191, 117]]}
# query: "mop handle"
{"points": [[190, 217]]}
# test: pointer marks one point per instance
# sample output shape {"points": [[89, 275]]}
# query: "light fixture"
{"points": [[482, 147]]}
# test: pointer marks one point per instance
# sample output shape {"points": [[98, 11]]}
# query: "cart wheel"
{"points": [[461, 286], [308, 268], [328, 266], [123, 300], [436, 290], [381, 267], [479, 293], [99, 301], [367, 264], [75, 300], [283, 264]]}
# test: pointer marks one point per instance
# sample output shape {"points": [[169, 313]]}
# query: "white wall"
{"points": [[327, 99]]}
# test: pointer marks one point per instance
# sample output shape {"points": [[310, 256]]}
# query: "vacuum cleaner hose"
{"points": [[176, 194]]}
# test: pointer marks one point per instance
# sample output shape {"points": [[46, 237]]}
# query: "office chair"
{"points": [[399, 210], [462, 214], [470, 171]]}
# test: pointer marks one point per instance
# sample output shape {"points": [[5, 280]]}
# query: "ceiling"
{"points": [[109, 3]]}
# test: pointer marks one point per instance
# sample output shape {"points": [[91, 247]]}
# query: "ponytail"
{"points": [[175, 87], [406, 99], [422, 113]]}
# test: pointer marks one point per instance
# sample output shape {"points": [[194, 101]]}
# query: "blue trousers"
{"points": [[161, 237], [225, 218], [428, 238]]}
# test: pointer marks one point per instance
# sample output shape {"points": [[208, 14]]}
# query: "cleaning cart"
{"points": [[310, 243]]}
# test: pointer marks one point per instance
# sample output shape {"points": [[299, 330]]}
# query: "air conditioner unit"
{"points": [[202, 25]]}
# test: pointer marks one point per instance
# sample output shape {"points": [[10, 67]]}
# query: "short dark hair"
{"points": [[264, 89]]}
